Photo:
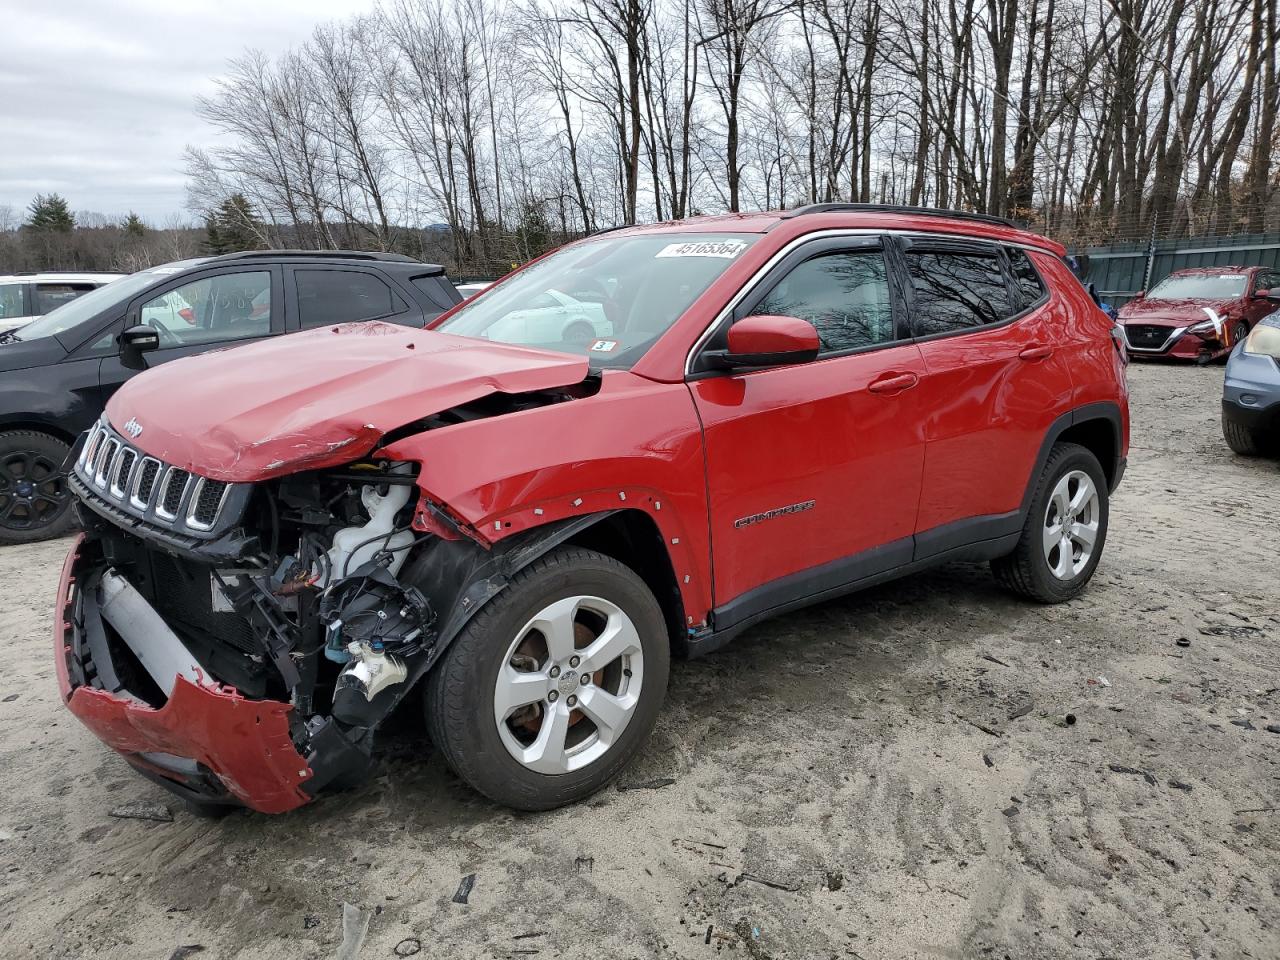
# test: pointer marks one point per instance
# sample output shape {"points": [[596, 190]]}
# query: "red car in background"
{"points": [[1199, 313]]}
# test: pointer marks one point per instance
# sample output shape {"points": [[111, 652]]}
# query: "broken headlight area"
{"points": [[202, 667]]}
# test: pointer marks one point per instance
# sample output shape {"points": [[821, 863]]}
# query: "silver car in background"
{"points": [[1251, 390]]}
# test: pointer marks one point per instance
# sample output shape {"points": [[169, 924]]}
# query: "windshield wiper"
{"points": [[9, 336]]}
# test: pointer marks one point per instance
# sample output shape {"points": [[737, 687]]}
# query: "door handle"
{"points": [[894, 383], [1038, 352]]}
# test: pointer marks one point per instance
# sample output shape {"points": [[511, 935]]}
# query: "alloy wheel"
{"points": [[1071, 525], [569, 684], [33, 491]]}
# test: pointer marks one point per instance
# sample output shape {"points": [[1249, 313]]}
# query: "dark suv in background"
{"points": [[57, 373]]}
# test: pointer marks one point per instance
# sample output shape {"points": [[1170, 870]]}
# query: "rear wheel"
{"points": [[35, 501], [1240, 438], [1064, 532], [554, 685]]}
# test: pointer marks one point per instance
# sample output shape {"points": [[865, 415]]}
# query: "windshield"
{"points": [[607, 299], [1200, 286], [86, 307]]}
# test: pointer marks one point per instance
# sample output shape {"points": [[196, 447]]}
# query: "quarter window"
{"points": [[233, 306], [844, 295], [956, 290], [340, 296], [1025, 279]]}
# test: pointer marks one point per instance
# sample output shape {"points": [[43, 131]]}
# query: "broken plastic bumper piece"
{"points": [[203, 740]]}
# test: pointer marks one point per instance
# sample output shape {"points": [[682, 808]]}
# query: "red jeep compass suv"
{"points": [[638, 445]]}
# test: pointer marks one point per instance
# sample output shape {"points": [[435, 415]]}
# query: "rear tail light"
{"points": [[189, 315]]}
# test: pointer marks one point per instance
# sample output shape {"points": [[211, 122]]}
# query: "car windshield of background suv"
{"points": [[1200, 286], [607, 299]]}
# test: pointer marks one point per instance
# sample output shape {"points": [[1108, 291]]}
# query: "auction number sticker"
{"points": [[604, 346], [724, 249]]}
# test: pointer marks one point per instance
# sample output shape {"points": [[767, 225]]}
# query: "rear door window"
{"points": [[956, 290], [341, 296]]}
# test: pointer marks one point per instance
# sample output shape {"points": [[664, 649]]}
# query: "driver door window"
{"points": [[232, 306], [845, 296]]}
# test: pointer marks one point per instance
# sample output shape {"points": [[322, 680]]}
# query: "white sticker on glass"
{"points": [[724, 249]]}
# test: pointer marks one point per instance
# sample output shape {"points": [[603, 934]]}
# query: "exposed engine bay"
{"points": [[315, 613]]}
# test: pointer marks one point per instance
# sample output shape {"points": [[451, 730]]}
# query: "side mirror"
{"points": [[768, 341], [135, 341], [1264, 294], [1140, 294]]}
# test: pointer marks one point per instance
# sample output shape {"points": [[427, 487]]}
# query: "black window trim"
{"points": [[764, 283], [934, 244], [401, 305]]}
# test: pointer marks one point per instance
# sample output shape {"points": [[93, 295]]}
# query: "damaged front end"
{"points": [[241, 643]]}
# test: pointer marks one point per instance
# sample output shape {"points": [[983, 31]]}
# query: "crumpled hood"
{"points": [[319, 398], [1171, 313]]}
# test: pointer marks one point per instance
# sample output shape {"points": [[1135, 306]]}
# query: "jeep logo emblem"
{"points": [[133, 428]]}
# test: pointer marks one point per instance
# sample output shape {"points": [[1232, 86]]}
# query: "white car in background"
{"points": [[552, 317], [25, 296], [469, 290]]}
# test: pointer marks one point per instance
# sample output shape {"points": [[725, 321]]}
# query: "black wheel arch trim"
{"points": [[459, 577], [1107, 410]]}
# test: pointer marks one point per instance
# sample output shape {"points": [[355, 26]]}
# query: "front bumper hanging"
{"points": [[206, 742]]}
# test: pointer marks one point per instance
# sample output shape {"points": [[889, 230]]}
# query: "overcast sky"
{"points": [[97, 97]]}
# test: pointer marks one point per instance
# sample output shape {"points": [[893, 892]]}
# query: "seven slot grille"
{"points": [[143, 485]]}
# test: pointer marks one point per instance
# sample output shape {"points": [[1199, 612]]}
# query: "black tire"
{"points": [[1026, 570], [209, 811], [35, 501], [1240, 438], [579, 333], [460, 689]]}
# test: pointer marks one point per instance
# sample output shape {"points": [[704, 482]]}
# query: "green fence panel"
{"points": [[1119, 271]]}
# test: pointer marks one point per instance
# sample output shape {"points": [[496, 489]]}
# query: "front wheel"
{"points": [[1064, 532], [554, 685], [35, 501], [1240, 439]]}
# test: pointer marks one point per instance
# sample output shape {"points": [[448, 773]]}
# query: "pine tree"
{"points": [[133, 226], [49, 212], [233, 227]]}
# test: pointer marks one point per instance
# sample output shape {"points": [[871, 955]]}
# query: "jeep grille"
{"points": [[114, 470]]}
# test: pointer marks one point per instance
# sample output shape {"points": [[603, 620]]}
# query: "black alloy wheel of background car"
{"points": [[34, 498]]}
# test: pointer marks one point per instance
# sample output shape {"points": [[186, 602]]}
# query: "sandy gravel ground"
{"points": [[886, 776]]}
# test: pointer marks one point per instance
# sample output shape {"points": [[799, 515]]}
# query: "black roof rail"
{"points": [[321, 254], [600, 230], [893, 208]]}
